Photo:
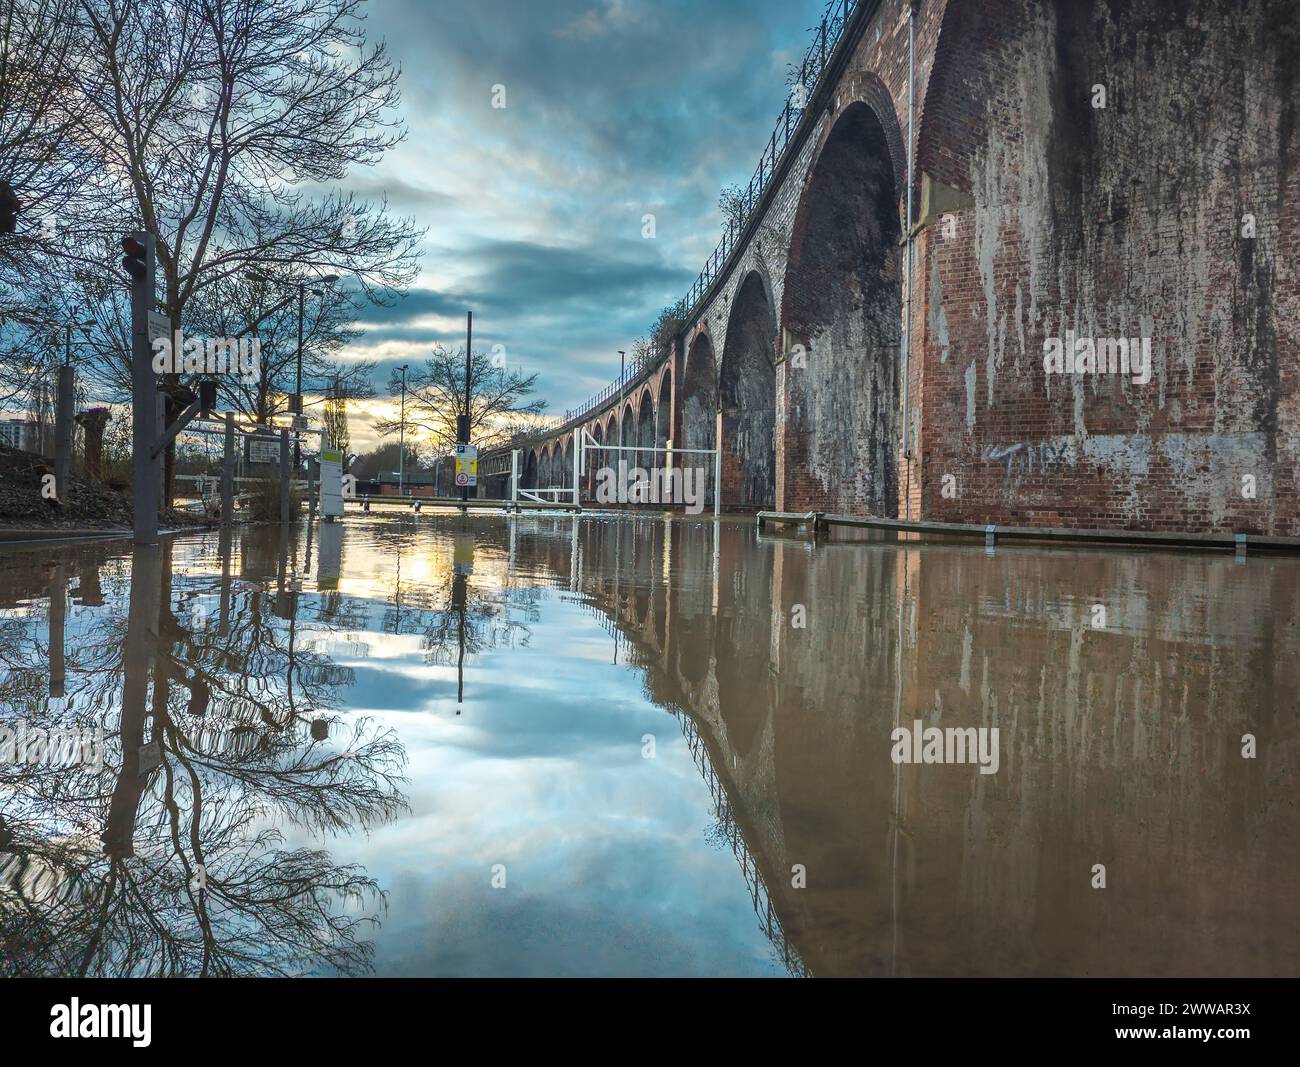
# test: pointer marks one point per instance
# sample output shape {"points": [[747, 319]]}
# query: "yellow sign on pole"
{"points": [[466, 466]]}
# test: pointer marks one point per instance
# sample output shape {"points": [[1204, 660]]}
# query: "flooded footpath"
{"points": [[644, 745]]}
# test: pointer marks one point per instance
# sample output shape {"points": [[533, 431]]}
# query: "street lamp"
{"points": [[622, 359], [401, 437]]}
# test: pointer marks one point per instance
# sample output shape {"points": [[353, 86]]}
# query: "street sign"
{"points": [[159, 326], [301, 422], [467, 465]]}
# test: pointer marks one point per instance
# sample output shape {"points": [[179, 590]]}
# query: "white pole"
{"points": [[514, 476], [717, 482], [577, 465], [668, 460], [907, 266]]}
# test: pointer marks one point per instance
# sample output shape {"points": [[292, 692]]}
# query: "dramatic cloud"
{"points": [[614, 109]]}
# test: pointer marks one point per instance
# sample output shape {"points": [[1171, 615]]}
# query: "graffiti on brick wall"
{"points": [[1025, 459]]}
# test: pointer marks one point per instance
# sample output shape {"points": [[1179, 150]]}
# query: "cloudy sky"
{"points": [[614, 109]]}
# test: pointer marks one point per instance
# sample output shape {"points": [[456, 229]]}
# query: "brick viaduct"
{"points": [[1085, 170]]}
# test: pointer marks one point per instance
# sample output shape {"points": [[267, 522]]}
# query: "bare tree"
{"points": [[336, 416], [43, 166], [435, 396], [214, 118]]}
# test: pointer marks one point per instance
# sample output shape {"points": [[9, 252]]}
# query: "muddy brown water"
{"points": [[644, 746]]}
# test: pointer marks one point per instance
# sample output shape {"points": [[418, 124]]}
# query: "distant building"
{"points": [[420, 485], [14, 432]]}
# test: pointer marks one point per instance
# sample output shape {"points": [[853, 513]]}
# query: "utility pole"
{"points": [[401, 438], [463, 435]]}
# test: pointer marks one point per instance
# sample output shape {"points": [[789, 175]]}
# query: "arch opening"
{"points": [[843, 302], [747, 392]]}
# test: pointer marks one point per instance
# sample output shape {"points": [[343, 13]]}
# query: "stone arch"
{"points": [[747, 396], [566, 469], [626, 429], [842, 301], [529, 473], [595, 458], [645, 428], [663, 411], [699, 407]]}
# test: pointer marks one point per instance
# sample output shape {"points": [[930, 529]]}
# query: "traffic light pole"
{"points": [[146, 466]]}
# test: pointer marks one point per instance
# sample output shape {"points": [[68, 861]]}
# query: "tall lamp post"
{"points": [[401, 437], [622, 360]]}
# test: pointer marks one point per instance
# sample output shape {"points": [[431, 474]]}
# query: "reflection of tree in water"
{"points": [[458, 617], [168, 859], [487, 618]]}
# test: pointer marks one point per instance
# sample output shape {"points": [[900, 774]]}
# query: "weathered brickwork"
{"points": [[1087, 172]]}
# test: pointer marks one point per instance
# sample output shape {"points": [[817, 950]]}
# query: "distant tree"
{"points": [[667, 326], [384, 460], [731, 202], [435, 395], [336, 416]]}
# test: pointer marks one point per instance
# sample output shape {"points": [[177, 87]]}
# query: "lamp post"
{"points": [[622, 359], [401, 437]]}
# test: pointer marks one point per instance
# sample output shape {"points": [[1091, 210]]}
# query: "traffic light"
{"points": [[9, 205], [135, 261], [207, 396]]}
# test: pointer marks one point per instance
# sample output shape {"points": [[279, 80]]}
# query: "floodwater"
{"points": [[644, 746]]}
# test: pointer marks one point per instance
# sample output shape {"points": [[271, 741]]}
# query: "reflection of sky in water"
{"points": [[608, 868]]}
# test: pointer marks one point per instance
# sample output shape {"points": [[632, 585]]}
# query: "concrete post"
{"points": [[63, 436], [228, 473], [160, 428]]}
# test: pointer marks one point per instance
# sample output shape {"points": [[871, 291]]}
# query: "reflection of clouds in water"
{"points": [[608, 868]]}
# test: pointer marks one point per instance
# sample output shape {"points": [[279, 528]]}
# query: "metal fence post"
{"points": [[228, 473]]}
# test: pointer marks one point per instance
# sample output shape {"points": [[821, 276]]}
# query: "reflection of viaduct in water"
{"points": [[1119, 746], [728, 822]]}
